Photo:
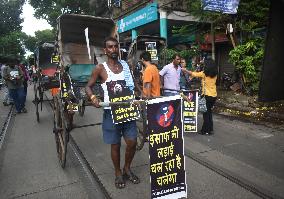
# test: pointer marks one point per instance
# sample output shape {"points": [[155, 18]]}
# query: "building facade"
{"points": [[148, 17], [159, 18]]}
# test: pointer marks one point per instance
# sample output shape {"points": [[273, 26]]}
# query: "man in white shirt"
{"points": [[170, 77]]}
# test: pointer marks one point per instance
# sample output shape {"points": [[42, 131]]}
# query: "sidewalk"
{"points": [[247, 107], [4, 110]]}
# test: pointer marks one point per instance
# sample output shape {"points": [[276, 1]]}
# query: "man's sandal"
{"points": [[119, 182], [131, 176]]}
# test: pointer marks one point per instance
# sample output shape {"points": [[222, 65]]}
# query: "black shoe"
{"points": [[24, 110], [202, 132]]}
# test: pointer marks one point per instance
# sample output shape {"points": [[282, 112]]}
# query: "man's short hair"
{"points": [[176, 55], [109, 39], [146, 56]]}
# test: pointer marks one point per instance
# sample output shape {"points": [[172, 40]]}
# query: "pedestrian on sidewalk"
{"points": [[13, 76], [110, 71], [208, 82], [25, 82], [170, 77], [151, 77]]}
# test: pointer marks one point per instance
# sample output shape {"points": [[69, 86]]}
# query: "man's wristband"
{"points": [[92, 97]]}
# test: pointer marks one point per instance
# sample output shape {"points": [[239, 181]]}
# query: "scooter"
{"points": [[227, 80]]}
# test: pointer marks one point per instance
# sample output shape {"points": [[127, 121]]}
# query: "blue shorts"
{"points": [[112, 133]]}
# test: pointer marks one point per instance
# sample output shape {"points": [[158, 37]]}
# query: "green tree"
{"points": [[10, 29], [30, 42], [10, 16], [11, 45], [248, 60], [168, 53], [52, 9]]}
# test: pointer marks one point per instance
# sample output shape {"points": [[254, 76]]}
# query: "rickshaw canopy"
{"points": [[78, 51], [72, 27], [44, 54]]}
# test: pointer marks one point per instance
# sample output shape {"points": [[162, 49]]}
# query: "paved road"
{"points": [[29, 167], [222, 149], [28, 163]]}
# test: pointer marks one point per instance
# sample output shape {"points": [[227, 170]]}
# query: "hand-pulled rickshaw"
{"points": [[155, 46], [80, 48], [152, 44], [45, 76]]}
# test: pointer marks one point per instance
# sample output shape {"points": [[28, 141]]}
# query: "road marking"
{"points": [[231, 144], [263, 135]]}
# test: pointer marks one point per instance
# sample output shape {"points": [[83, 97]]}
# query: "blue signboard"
{"points": [[139, 18], [224, 6]]}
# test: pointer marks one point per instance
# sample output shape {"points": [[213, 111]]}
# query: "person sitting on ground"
{"points": [[170, 77], [115, 70], [14, 77], [151, 77], [208, 82]]}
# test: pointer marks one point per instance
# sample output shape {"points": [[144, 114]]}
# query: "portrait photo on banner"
{"points": [[119, 92]]}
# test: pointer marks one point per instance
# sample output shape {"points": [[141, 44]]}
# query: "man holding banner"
{"points": [[118, 121]]}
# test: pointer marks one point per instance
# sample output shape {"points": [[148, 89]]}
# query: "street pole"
{"points": [[213, 40]]}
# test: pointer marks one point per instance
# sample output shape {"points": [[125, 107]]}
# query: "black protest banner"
{"points": [[119, 92], [190, 111], [166, 148], [151, 47]]}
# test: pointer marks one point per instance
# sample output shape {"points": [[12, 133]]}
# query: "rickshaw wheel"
{"points": [[81, 108], [56, 119], [142, 129], [40, 92], [60, 130], [140, 139], [36, 101]]}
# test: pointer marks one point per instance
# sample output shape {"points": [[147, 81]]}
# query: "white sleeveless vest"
{"points": [[110, 77]]}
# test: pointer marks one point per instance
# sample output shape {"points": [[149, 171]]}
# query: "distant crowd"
{"points": [[14, 82]]}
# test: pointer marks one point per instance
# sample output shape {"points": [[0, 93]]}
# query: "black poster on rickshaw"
{"points": [[151, 47], [166, 149], [190, 111], [119, 92]]}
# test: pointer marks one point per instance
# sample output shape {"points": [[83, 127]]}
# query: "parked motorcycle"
{"points": [[230, 81]]}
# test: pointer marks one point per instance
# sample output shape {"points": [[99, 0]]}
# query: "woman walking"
{"points": [[208, 82]]}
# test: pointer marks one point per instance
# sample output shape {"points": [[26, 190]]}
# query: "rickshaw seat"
{"points": [[81, 72], [49, 71]]}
